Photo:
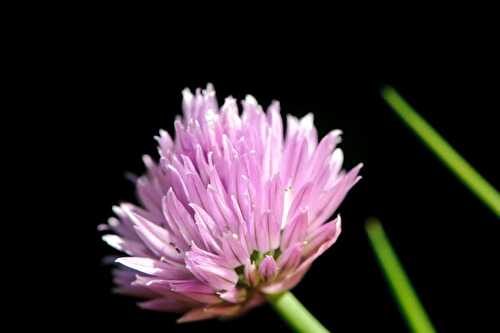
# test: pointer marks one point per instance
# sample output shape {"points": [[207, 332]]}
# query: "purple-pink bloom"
{"points": [[233, 210]]}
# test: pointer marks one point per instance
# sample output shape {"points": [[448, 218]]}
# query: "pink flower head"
{"points": [[234, 209]]}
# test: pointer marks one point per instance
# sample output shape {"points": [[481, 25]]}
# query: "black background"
{"points": [[113, 93]]}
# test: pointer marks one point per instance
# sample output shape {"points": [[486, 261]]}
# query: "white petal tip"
{"points": [[114, 241]]}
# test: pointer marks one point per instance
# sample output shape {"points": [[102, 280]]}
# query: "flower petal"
{"points": [[295, 231], [325, 233], [165, 305], [235, 295], [290, 258], [268, 268], [211, 269], [210, 312], [156, 238], [130, 247], [154, 267]]}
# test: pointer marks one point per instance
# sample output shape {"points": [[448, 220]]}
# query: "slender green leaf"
{"points": [[449, 156], [400, 285]]}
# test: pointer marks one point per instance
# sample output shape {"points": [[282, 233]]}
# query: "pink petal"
{"points": [[165, 305], [235, 249], [207, 229], [295, 231], [195, 290], [332, 202], [211, 269], [209, 312], [154, 267], [251, 276], [179, 219], [262, 233], [290, 258], [293, 279], [235, 295], [135, 291], [130, 247], [156, 238], [300, 200], [268, 268], [325, 233]]}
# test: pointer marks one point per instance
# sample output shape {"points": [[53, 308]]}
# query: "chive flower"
{"points": [[234, 210]]}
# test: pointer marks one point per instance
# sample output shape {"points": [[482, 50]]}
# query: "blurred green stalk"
{"points": [[401, 287], [449, 156]]}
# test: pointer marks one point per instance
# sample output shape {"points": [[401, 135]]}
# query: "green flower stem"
{"points": [[401, 287], [295, 314], [449, 156]]}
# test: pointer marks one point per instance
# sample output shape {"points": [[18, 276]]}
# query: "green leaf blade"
{"points": [[443, 150], [401, 287]]}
